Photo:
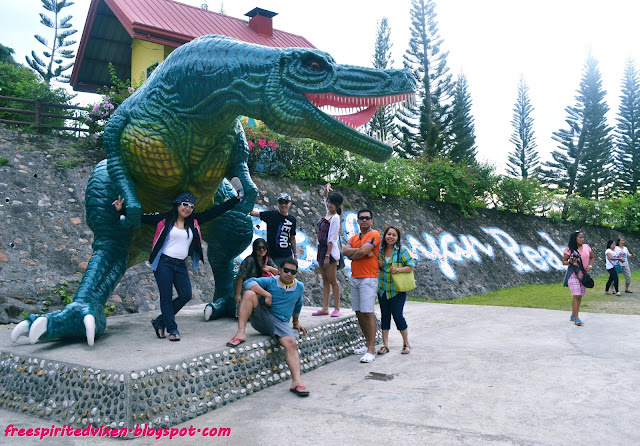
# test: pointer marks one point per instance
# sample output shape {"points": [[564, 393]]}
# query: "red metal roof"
{"points": [[165, 22], [173, 24]]}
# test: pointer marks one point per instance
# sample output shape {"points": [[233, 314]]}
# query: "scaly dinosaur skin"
{"points": [[180, 132]]}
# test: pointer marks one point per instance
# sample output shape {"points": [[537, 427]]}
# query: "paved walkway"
{"points": [[475, 376]]}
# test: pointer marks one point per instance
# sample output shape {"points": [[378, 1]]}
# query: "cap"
{"points": [[284, 196], [185, 196]]}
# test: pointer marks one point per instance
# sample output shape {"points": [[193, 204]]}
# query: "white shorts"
{"points": [[363, 294]]}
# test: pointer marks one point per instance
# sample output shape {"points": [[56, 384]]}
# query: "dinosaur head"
{"points": [[309, 95]]}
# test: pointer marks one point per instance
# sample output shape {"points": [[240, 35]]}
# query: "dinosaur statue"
{"points": [[180, 132]]}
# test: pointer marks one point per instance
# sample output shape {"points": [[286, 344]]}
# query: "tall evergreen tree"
{"points": [[583, 163], [628, 130], [462, 147], [428, 122], [381, 125], [56, 52], [523, 161]]}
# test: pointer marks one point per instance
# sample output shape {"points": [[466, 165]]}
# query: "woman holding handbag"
{"points": [[612, 263], [578, 256], [258, 264], [394, 260]]}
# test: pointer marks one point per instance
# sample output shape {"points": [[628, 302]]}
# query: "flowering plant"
{"points": [[112, 97]]}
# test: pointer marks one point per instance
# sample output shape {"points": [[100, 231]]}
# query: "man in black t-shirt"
{"points": [[281, 229]]}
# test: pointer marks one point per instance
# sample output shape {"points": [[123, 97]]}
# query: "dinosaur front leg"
{"points": [[85, 315]]}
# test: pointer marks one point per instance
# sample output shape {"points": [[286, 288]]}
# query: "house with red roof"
{"points": [[136, 35]]}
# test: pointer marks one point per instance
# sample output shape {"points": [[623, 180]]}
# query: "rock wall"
{"points": [[45, 243]]}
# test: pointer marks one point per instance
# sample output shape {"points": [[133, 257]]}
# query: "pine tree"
{"points": [[583, 163], [427, 124], [523, 161], [381, 125], [462, 147], [56, 52], [628, 130]]}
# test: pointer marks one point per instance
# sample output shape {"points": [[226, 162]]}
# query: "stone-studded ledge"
{"points": [[168, 393]]}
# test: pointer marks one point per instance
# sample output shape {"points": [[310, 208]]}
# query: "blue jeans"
{"points": [[171, 272], [392, 307]]}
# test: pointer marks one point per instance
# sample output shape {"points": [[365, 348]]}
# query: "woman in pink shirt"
{"points": [[578, 252]]}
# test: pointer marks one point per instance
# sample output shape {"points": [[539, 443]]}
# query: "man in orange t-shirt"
{"points": [[363, 249]]}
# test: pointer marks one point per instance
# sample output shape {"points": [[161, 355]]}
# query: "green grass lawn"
{"points": [[555, 297]]}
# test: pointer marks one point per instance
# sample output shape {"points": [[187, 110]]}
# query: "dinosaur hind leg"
{"points": [[85, 315], [226, 236]]}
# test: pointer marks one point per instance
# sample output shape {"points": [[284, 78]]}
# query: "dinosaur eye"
{"points": [[314, 66]]}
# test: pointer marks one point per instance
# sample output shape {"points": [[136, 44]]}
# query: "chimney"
{"points": [[261, 21]]}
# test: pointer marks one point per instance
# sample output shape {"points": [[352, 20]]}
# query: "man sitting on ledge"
{"points": [[269, 303]]}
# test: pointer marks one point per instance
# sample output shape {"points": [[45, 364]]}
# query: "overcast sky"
{"points": [[492, 42]]}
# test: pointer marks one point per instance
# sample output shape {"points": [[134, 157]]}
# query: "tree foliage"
{"points": [[582, 165], [628, 131], [381, 125], [424, 128], [523, 162], [20, 82], [53, 64], [462, 147], [6, 55]]}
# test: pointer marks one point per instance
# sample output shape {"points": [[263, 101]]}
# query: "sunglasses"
{"points": [[365, 218], [261, 248], [283, 202], [289, 271], [187, 205]]}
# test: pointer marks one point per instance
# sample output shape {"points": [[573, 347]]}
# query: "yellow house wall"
{"points": [[143, 55]]}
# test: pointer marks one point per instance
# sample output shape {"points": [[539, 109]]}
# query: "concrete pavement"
{"points": [[476, 375]]}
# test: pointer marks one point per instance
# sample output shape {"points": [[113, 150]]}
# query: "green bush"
{"points": [[20, 82], [3, 161]]}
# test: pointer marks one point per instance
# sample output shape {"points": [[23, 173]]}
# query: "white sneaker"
{"points": [[360, 351], [368, 357], [208, 310]]}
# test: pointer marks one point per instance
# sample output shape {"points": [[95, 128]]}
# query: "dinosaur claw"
{"points": [[38, 328], [22, 329], [90, 328]]}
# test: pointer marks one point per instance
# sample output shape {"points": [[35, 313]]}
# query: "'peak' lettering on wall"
{"points": [[445, 252]]}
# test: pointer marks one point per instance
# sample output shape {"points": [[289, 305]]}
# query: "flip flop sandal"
{"points": [[406, 350], [158, 329], [383, 351], [234, 342], [174, 337], [300, 391], [319, 313]]}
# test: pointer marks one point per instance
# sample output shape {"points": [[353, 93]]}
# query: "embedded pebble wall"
{"points": [[166, 394]]}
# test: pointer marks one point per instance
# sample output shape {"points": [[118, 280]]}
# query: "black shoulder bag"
{"points": [[586, 279]]}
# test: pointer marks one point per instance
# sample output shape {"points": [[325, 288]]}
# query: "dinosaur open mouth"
{"points": [[356, 111]]}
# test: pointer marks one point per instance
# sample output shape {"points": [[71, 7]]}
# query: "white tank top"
{"points": [[178, 242]]}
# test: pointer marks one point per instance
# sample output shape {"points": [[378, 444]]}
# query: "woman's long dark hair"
{"points": [[336, 199], [254, 252], [383, 244], [573, 241], [173, 217], [609, 245]]}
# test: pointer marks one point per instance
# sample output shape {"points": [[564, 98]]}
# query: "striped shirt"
{"points": [[385, 283]]}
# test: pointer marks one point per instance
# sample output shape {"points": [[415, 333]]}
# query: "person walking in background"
{"points": [[623, 251], [391, 302], [329, 251], [281, 229], [363, 249], [577, 256], [612, 263]]}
